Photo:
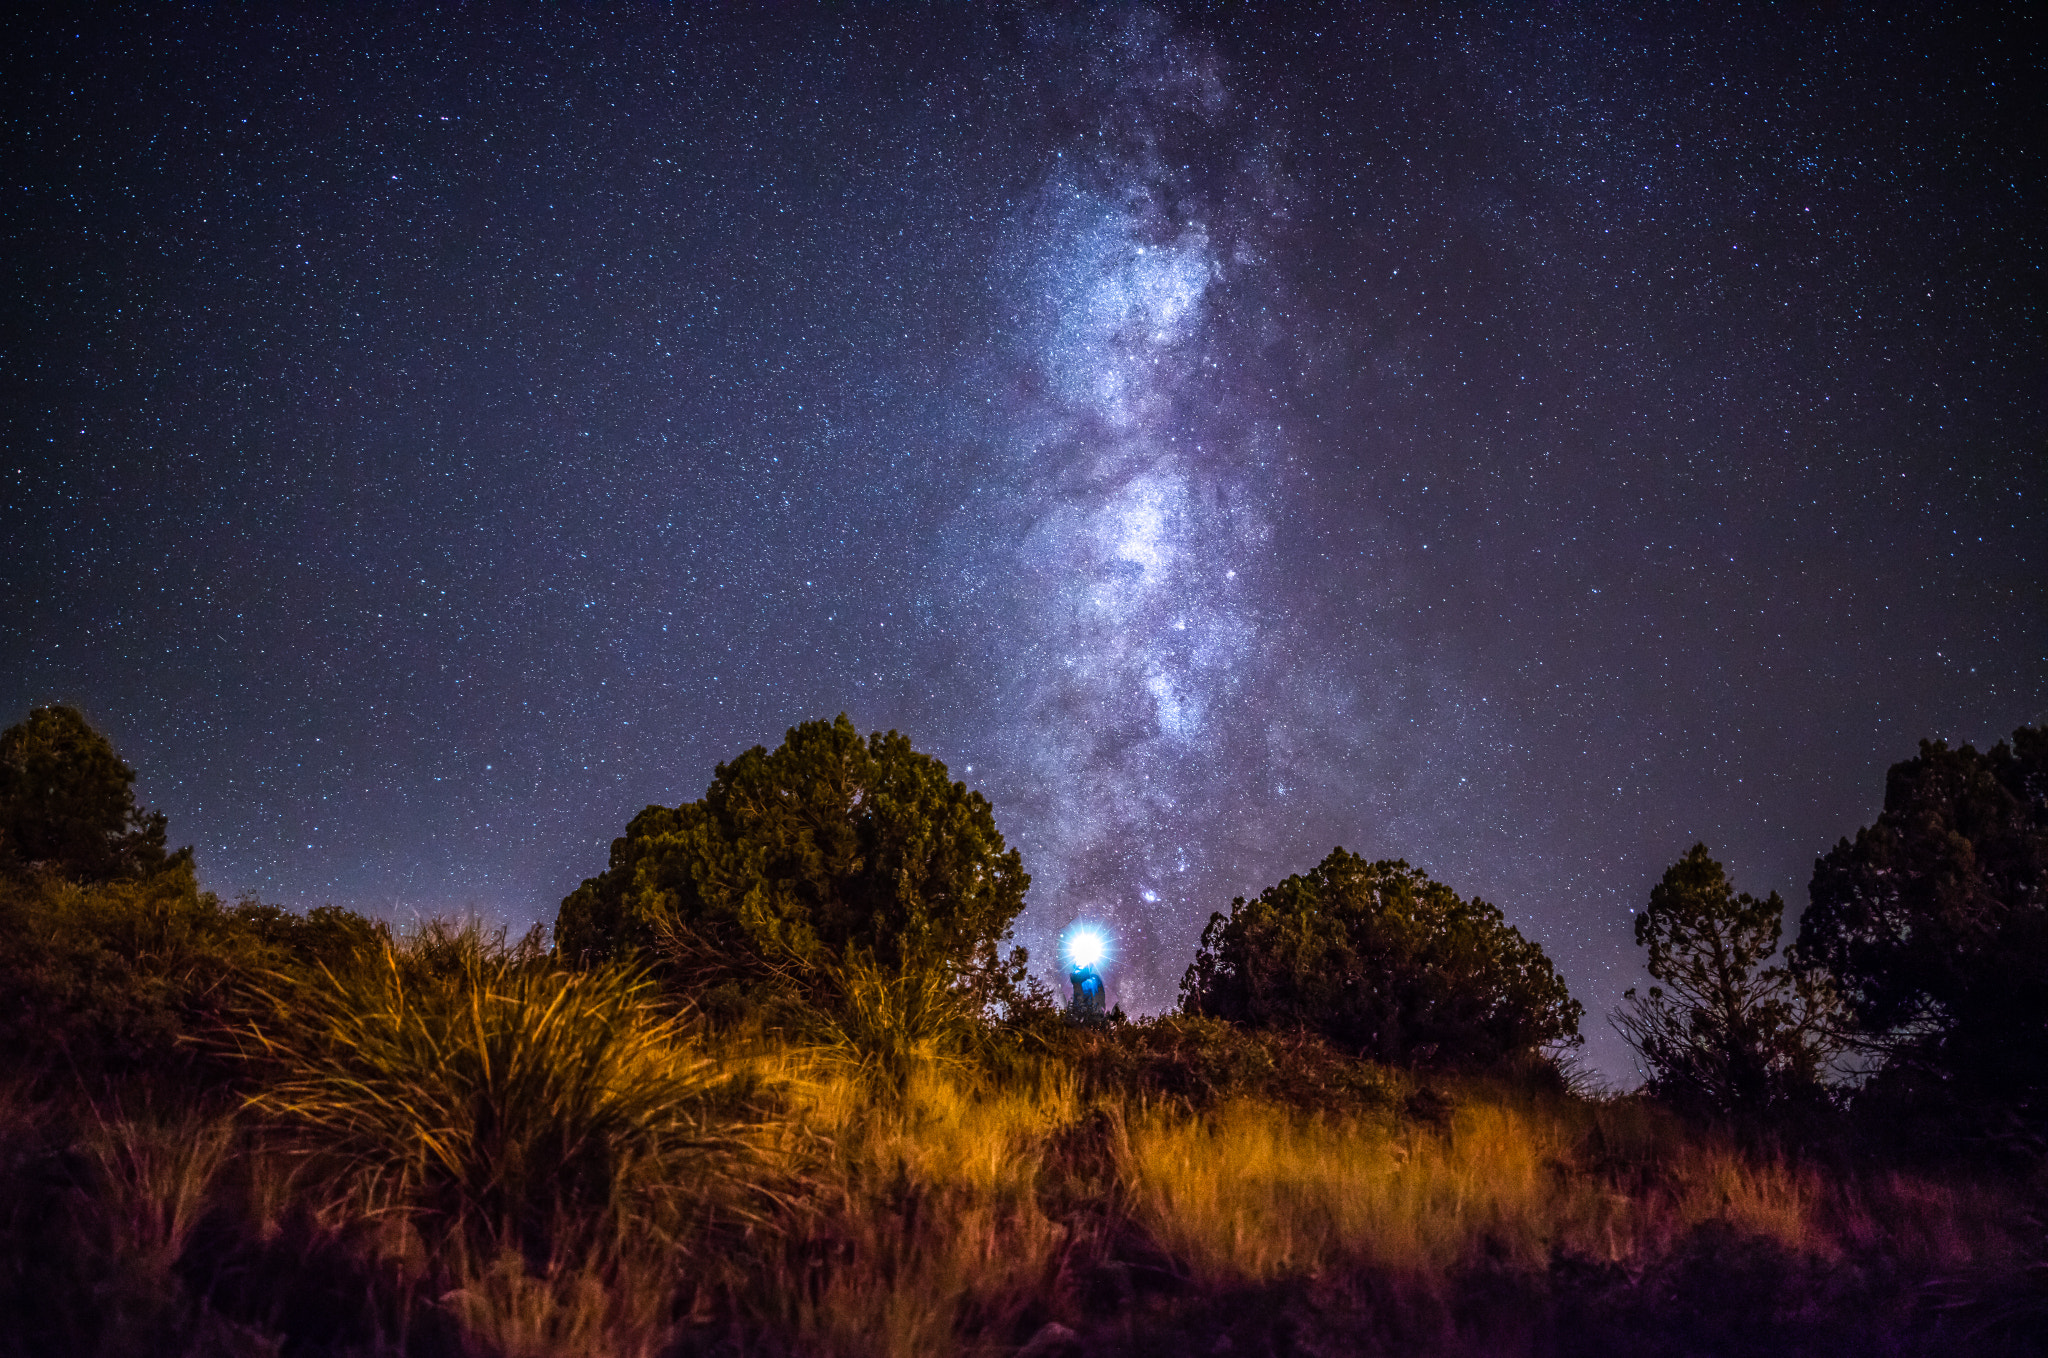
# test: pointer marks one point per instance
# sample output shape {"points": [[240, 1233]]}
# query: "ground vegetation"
{"points": [[234, 1130]]}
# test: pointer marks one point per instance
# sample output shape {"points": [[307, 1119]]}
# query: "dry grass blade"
{"points": [[151, 1183], [888, 1023], [482, 1083]]}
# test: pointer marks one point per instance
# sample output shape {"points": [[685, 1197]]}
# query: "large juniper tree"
{"points": [[829, 849], [1378, 958]]}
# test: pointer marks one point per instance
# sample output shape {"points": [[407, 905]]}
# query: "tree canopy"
{"points": [[1933, 923], [828, 849], [67, 804], [1723, 1033], [1378, 958]]}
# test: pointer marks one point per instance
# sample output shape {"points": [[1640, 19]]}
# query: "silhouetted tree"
{"points": [[1723, 1033], [1379, 959], [832, 850], [1933, 923], [67, 804]]}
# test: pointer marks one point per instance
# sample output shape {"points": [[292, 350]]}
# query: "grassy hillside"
{"points": [[228, 1132]]}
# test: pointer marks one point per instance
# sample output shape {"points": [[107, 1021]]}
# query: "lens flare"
{"points": [[1086, 947]]}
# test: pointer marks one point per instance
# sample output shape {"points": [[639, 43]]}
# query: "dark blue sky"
{"points": [[1524, 442]]}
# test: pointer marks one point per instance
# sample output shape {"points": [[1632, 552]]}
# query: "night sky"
{"points": [[1522, 442]]}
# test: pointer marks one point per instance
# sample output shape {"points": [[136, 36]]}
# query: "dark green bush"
{"points": [[798, 862], [117, 975], [1382, 961], [67, 805], [142, 974]]}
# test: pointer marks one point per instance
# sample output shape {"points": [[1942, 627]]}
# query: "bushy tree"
{"points": [[1381, 960], [1933, 923], [829, 852], [1723, 1033], [67, 804]]}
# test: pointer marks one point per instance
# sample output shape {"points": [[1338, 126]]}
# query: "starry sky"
{"points": [[1523, 440]]}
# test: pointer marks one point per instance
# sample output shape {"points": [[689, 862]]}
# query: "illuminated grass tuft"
{"points": [[480, 1082]]}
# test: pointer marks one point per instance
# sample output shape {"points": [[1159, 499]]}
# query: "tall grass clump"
{"points": [[473, 1082], [1257, 1192], [925, 1228], [884, 1024]]}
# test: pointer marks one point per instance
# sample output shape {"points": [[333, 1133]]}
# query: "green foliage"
{"points": [[1724, 1034], [67, 804], [1933, 923], [796, 861], [1200, 1063], [491, 1087], [114, 975], [1380, 960], [325, 937], [131, 974]]}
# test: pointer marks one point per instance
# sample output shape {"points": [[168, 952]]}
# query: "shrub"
{"points": [[115, 961], [1933, 925], [116, 976], [326, 936], [488, 1086], [138, 974], [1382, 961], [1199, 1063], [1730, 1037]]}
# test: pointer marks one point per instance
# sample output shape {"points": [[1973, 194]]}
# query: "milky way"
{"points": [[1521, 441], [1154, 685]]}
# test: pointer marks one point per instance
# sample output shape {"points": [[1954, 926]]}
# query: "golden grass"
{"points": [[593, 1298], [558, 1165], [478, 1082], [921, 1225], [939, 1218], [1251, 1193], [150, 1182], [1246, 1194]]}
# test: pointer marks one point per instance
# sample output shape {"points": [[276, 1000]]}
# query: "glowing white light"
{"points": [[1086, 947]]}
